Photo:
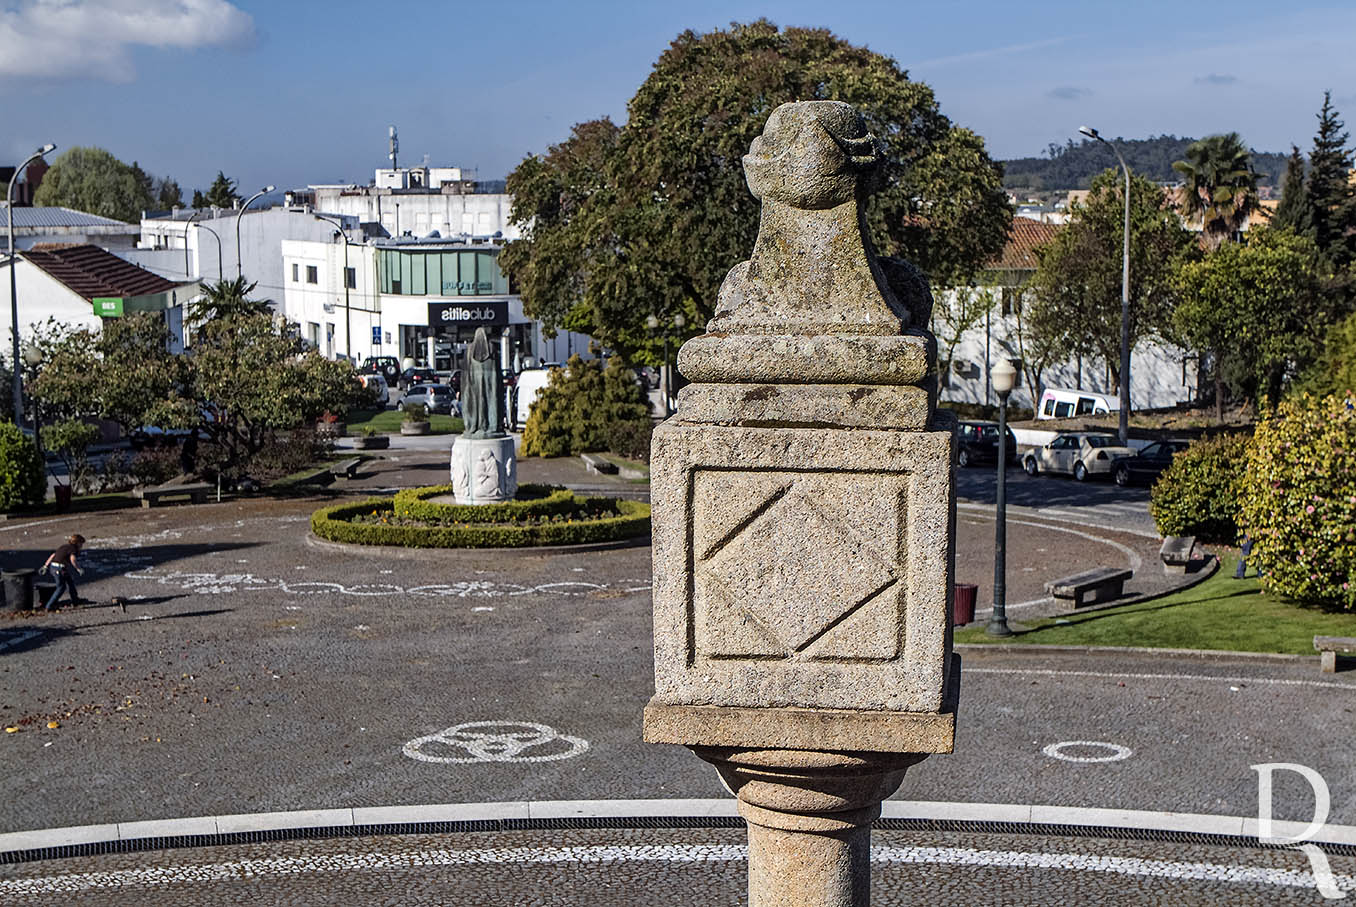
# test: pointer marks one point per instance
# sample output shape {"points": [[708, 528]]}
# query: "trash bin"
{"points": [[963, 603], [18, 586]]}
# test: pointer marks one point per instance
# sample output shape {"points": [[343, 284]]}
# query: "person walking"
{"points": [[63, 567], [1244, 552]]}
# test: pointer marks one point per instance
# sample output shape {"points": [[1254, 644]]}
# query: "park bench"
{"points": [[1329, 647], [1098, 584], [598, 465], [346, 468], [150, 497], [1176, 553]]}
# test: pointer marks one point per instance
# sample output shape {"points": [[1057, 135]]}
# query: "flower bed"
{"points": [[556, 518]]}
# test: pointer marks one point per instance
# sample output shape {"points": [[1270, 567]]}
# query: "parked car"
{"points": [[386, 366], [416, 374], [977, 443], [377, 384], [1076, 453], [1147, 464], [436, 398], [1060, 403]]}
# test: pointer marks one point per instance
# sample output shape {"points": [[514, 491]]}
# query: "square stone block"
{"points": [[804, 568]]}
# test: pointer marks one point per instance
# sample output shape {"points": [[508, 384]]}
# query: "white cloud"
{"points": [[94, 38]]}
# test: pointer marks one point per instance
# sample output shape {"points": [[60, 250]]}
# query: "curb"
{"points": [[1202, 654], [29, 845], [315, 541]]}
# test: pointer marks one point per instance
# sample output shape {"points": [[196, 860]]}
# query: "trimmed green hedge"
{"points": [[333, 523], [531, 501]]}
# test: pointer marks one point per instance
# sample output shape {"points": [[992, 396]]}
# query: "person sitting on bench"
{"points": [[63, 567]]}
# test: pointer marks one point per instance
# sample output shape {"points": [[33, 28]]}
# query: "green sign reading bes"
{"points": [[108, 306]]}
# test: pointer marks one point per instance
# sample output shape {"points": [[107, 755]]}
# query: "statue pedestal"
{"points": [[484, 470]]}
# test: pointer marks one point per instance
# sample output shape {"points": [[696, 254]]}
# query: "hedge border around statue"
{"points": [[542, 500], [333, 524]]}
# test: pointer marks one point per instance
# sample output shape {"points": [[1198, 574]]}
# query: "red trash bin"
{"points": [[963, 603]]}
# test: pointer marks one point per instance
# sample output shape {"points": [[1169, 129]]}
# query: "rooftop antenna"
{"points": [[395, 147]]}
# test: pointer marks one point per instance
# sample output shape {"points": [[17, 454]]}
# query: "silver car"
{"points": [[1076, 453], [435, 398]]}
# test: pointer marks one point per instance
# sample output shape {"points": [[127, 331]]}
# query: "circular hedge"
{"points": [[610, 521], [532, 501]]}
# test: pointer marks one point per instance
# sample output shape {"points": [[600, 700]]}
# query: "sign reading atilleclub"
{"points": [[468, 314]]}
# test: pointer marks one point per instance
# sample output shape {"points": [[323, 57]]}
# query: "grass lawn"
{"points": [[1220, 613], [387, 422]]}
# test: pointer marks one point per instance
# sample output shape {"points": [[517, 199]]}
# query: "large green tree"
{"points": [[94, 181], [222, 192], [1332, 199], [1221, 186], [1293, 211], [646, 219], [1075, 299], [1255, 308]]}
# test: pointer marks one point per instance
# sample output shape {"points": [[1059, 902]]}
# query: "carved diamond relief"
{"points": [[808, 570]]}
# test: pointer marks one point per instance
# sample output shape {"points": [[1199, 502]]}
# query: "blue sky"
{"points": [[298, 91]]}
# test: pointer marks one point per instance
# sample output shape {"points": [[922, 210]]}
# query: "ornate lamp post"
{"points": [[1124, 423], [1002, 376], [261, 192], [33, 357], [348, 332], [13, 290]]}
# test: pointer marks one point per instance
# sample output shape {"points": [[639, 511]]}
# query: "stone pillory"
{"points": [[802, 523]]}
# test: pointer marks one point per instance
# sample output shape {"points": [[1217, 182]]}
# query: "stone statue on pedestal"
{"points": [[484, 466], [803, 524]]}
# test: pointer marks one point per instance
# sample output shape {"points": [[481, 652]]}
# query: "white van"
{"points": [[525, 389], [1061, 403]]}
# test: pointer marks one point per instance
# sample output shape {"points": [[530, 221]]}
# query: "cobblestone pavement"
{"points": [[255, 672], [637, 867]]}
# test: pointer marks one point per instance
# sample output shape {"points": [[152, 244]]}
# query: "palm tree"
{"points": [[1221, 186]]}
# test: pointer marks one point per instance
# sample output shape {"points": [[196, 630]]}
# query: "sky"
{"points": [[291, 92]]}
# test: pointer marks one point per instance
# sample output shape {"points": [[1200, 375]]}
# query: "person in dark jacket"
{"points": [[63, 567]]}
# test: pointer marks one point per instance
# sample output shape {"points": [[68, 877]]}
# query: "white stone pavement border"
{"points": [[1034, 814]]}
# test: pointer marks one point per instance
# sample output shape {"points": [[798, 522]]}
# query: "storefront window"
{"points": [[460, 273]]}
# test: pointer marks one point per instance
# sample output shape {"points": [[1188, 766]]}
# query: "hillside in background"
{"points": [[1072, 166]]}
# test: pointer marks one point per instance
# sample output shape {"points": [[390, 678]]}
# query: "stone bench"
{"points": [[1098, 584], [196, 493], [1176, 553], [1330, 647], [346, 468], [598, 465]]}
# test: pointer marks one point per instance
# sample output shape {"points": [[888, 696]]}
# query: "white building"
{"points": [[976, 326], [35, 226], [412, 298]]}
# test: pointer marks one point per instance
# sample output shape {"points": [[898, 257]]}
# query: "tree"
{"points": [[1221, 186], [227, 298], [1334, 370], [199, 200], [1293, 211], [94, 181], [1332, 201], [1254, 307], [1075, 307], [222, 192], [646, 219], [168, 194]]}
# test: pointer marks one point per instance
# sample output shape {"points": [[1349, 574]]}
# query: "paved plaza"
{"points": [[258, 670]]}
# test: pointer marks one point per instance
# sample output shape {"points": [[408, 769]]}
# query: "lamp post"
{"points": [[13, 284], [33, 357], [652, 322], [187, 224], [1002, 376], [1124, 423], [218, 239], [348, 333], [263, 191]]}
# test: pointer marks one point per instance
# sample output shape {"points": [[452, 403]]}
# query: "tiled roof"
{"points": [[90, 271], [1020, 252], [30, 218]]}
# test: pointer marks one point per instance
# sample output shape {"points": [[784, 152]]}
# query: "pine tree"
{"points": [[199, 200], [1293, 211], [1332, 203], [168, 194], [222, 192]]}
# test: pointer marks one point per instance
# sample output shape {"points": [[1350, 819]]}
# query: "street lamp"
{"points": [[1124, 425], [218, 239], [33, 356], [652, 322], [263, 191], [1002, 376], [348, 333], [13, 285], [187, 224]]}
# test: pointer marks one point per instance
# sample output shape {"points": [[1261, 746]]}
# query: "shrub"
{"points": [[1299, 500], [1199, 493], [23, 475], [284, 454], [336, 523], [70, 440], [630, 439], [416, 412], [582, 406], [531, 501], [154, 466]]}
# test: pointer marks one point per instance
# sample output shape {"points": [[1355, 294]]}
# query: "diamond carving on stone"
{"points": [[788, 577]]}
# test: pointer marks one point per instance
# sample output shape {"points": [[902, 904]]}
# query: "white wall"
{"points": [[306, 303], [421, 213], [40, 297]]}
